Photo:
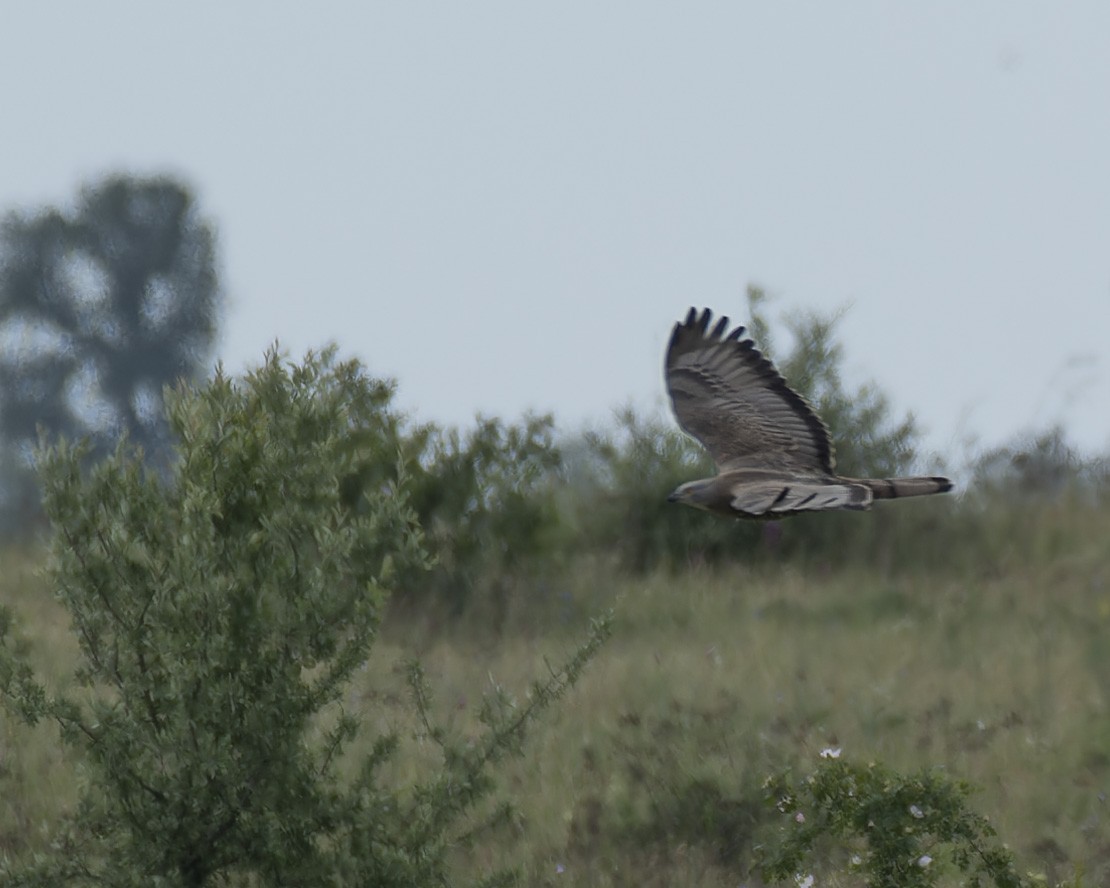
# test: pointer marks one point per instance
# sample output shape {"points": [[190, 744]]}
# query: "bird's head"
{"points": [[693, 493]]}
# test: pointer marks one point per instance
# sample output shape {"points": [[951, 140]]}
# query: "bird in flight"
{"points": [[773, 453]]}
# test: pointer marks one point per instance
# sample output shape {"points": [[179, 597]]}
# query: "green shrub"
{"points": [[485, 499], [221, 614], [1039, 468], [893, 830]]}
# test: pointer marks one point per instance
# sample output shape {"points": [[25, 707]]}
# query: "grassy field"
{"points": [[651, 771]]}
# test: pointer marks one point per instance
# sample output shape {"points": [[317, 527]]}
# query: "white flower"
{"points": [[924, 860], [800, 817], [830, 752], [805, 881], [916, 812], [856, 860]]}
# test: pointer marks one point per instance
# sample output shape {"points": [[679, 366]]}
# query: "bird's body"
{"points": [[774, 456]]}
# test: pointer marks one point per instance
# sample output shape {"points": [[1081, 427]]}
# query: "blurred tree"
{"points": [[869, 442], [619, 478], [1041, 467], [99, 309]]}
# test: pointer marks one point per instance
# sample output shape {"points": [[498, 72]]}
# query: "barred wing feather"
{"points": [[731, 398]]}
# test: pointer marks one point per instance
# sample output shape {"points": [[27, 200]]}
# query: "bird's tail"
{"points": [[892, 488]]}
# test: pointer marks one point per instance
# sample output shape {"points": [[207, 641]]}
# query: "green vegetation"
{"points": [[652, 771], [898, 823], [221, 615], [305, 657]]}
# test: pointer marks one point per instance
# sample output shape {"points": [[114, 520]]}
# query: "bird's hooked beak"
{"points": [[673, 497]]}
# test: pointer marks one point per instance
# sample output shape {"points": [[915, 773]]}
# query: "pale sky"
{"points": [[507, 205]]}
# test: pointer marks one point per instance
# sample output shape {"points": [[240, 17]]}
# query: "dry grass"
{"points": [[37, 783], [650, 772]]}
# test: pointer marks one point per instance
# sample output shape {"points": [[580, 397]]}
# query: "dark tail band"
{"points": [[893, 488]]}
